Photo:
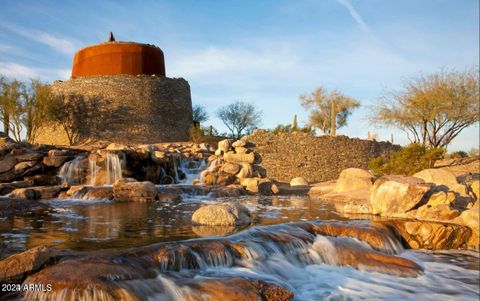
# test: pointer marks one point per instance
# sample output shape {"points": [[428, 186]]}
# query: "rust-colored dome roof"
{"points": [[113, 58]]}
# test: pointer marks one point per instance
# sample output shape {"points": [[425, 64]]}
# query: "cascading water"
{"points": [[113, 168], [299, 257], [72, 172], [92, 167], [192, 170]]}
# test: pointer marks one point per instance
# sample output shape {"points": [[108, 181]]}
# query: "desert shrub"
{"points": [[407, 161], [474, 152], [196, 134]]}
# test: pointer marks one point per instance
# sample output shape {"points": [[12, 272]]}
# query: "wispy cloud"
{"points": [[355, 15], [22, 72], [58, 43]]}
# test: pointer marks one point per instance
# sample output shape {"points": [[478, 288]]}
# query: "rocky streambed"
{"points": [[158, 223]]}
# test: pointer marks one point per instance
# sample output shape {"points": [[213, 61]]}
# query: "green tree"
{"points": [[11, 107], [239, 117], [199, 114], [432, 109], [328, 110], [36, 100]]}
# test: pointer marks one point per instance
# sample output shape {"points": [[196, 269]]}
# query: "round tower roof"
{"points": [[114, 58]]}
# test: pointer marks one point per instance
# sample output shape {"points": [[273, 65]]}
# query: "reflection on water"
{"points": [[107, 225]]}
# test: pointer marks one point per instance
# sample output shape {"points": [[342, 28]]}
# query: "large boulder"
{"points": [[298, 181], [128, 189], [246, 171], [471, 218], [15, 268], [475, 189], [393, 195], [7, 163], [437, 213], [239, 158], [351, 179], [263, 186], [57, 157], [224, 145], [441, 177], [231, 168], [224, 214]]}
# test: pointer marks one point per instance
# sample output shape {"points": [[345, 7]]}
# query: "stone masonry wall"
{"points": [[128, 109], [285, 156]]}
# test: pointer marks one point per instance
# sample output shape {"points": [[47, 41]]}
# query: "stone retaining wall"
{"points": [[285, 156], [128, 109]]}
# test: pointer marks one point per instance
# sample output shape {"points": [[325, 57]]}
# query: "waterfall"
{"points": [[192, 169], [72, 171], [92, 166], [113, 168], [108, 172]]}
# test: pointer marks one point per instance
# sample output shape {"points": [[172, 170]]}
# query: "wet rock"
{"points": [[7, 163], [9, 187], [22, 167], [56, 158], [15, 268], [169, 197], [43, 180], [224, 145], [237, 289], [322, 188], [207, 231], [298, 181], [224, 179], [47, 192], [239, 158], [441, 177], [29, 155], [232, 190], [24, 193], [165, 180], [393, 195], [230, 168], [92, 193], [262, 186], [224, 214], [432, 235], [351, 179], [128, 189]]}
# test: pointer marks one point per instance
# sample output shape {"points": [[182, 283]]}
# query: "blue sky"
{"points": [[263, 52]]}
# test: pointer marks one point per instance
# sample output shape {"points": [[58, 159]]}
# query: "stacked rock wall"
{"points": [[285, 156], [127, 109]]}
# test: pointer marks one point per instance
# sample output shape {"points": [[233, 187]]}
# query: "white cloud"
{"points": [[355, 15], [22, 72], [60, 44]]}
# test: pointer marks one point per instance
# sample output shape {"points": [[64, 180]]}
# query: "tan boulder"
{"points": [[351, 179], [262, 186], [158, 157], [230, 168], [23, 193], [239, 143], [118, 147], [437, 212], [225, 145], [239, 158], [439, 177], [471, 218], [475, 189], [224, 214], [241, 150], [391, 195], [246, 171], [298, 181], [128, 189], [442, 198]]}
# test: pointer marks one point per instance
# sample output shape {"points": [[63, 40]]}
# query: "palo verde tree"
{"points": [[328, 110], [199, 114], [11, 108], [240, 118], [432, 109], [36, 101]]}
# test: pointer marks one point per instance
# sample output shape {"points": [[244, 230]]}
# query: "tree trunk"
{"points": [[333, 121], [6, 124]]}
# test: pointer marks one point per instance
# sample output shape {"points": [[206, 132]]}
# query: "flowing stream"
{"points": [[152, 251]]}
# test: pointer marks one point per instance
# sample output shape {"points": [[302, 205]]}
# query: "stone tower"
{"points": [[128, 97]]}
